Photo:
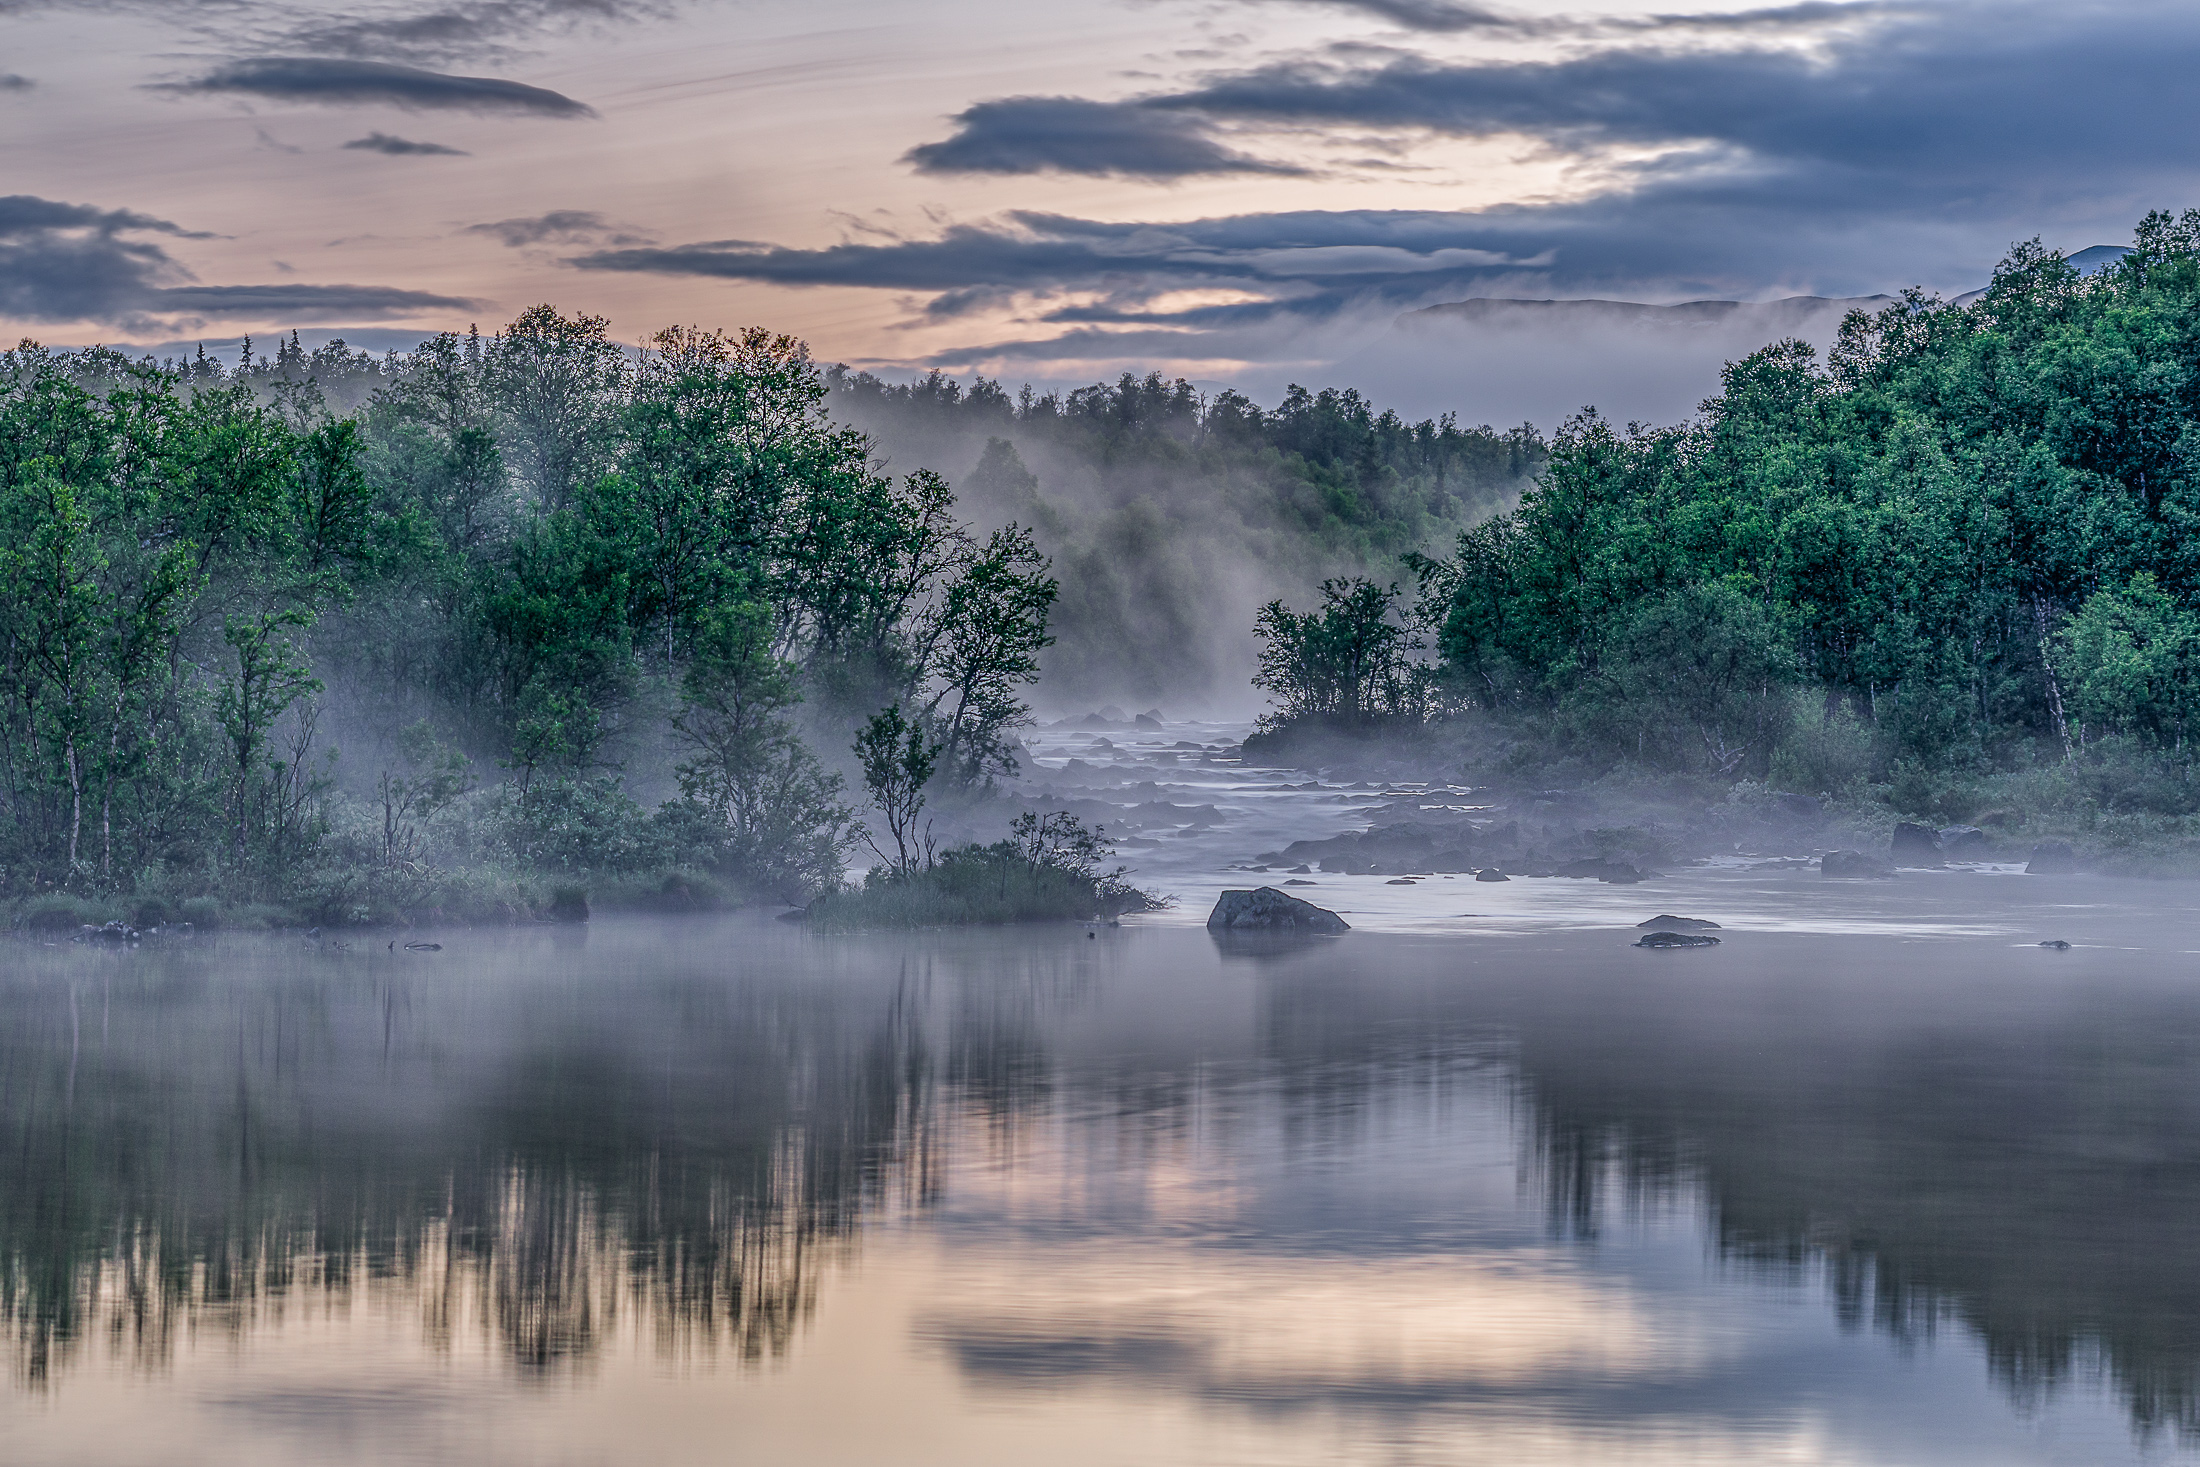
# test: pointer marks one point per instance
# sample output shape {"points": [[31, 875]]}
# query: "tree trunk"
{"points": [[2047, 667], [76, 799]]}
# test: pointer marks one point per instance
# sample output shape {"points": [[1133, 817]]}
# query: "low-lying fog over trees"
{"points": [[437, 632]]}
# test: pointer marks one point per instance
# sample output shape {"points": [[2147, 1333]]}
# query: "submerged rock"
{"points": [[2052, 858], [1491, 873], [2057, 943], [1269, 910], [1677, 939], [1667, 922], [1851, 863]]}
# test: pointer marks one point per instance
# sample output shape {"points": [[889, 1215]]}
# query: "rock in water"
{"points": [[1491, 873], [1851, 863], [2052, 858], [1915, 845], [1270, 910], [1677, 939], [1666, 922], [2057, 943], [1966, 842]]}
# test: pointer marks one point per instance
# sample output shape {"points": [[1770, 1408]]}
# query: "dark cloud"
{"points": [[74, 262], [22, 215], [1816, 149], [449, 32], [301, 302], [1070, 135], [1450, 17], [559, 226], [1434, 15], [1953, 107], [438, 31], [382, 142], [376, 83]]}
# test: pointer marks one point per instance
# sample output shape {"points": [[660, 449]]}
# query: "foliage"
{"points": [[607, 575], [898, 760], [1347, 665], [1957, 547], [1050, 868]]}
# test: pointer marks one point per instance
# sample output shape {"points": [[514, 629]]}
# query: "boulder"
{"points": [[1851, 863], [1965, 842], [1667, 922], [2059, 944], [1269, 910], [1915, 845], [1802, 809], [1491, 873], [2052, 858], [1677, 939]]}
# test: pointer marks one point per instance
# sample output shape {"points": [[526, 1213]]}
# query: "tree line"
{"points": [[1956, 550], [502, 572]]}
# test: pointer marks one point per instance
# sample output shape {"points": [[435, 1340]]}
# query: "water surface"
{"points": [[1876, 1181]]}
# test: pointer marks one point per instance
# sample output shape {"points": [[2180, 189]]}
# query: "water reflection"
{"points": [[1423, 1185]]}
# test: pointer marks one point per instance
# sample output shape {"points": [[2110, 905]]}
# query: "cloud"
{"points": [[1806, 149], [1435, 15], [376, 83], [75, 262], [438, 31], [1953, 108], [382, 142], [453, 31], [302, 302], [559, 226], [1071, 135]]}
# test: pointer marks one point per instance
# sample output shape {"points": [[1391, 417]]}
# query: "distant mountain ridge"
{"points": [[1790, 312], [1794, 310]]}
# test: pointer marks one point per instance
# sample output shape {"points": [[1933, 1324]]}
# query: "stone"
{"points": [[1666, 922], [1966, 842], [1269, 910], [2052, 858], [2057, 943], [1915, 845], [1491, 873], [1803, 809], [1851, 863], [1677, 939]]}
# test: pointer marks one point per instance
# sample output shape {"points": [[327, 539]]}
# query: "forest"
{"points": [[402, 658], [483, 628], [1947, 571]]}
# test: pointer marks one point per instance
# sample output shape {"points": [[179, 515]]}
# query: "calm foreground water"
{"points": [[1903, 1190]]}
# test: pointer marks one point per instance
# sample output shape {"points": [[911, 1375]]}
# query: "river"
{"points": [[1877, 1180]]}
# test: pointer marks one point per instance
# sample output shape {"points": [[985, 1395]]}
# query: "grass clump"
{"points": [[1050, 869]]}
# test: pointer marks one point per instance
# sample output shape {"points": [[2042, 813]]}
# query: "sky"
{"points": [[1246, 191]]}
